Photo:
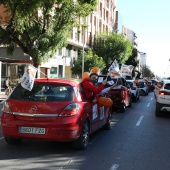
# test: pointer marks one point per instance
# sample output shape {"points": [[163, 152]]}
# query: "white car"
{"points": [[162, 95], [143, 87], [134, 90]]}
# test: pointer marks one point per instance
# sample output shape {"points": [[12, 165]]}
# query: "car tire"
{"points": [[157, 110], [13, 141], [122, 108], [135, 99], [107, 126], [138, 97], [130, 103], [83, 140]]}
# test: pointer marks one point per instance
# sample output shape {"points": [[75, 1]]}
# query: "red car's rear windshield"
{"points": [[44, 93]]}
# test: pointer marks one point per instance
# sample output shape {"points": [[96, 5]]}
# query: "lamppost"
{"points": [[83, 40]]}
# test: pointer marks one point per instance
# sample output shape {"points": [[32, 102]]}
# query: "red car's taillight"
{"points": [[6, 108], [70, 110], [164, 93], [133, 88]]}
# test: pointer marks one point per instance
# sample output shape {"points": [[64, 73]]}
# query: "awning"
{"points": [[18, 56]]}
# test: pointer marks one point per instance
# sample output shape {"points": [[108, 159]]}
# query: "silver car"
{"points": [[144, 90], [134, 90]]}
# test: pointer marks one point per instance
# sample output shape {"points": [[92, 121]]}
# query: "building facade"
{"points": [[81, 38]]}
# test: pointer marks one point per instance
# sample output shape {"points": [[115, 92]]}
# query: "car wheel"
{"points": [[130, 103], [122, 107], [83, 140], [12, 141], [135, 98], [157, 110], [138, 97], [107, 126]]}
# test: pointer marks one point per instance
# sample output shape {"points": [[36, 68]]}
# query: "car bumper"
{"points": [[164, 107], [54, 131]]}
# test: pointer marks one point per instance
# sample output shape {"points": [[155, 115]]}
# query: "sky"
{"points": [[150, 20]]}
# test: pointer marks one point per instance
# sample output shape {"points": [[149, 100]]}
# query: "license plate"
{"points": [[32, 130]]}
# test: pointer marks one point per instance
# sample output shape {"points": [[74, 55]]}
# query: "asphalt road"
{"points": [[137, 141]]}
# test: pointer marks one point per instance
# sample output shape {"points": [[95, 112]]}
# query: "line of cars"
{"points": [[56, 109]]}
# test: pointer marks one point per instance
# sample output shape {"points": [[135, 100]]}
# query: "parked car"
{"points": [[120, 94], [134, 90], [150, 86], [54, 110], [144, 90], [162, 95]]}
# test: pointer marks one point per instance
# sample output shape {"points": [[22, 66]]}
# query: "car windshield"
{"points": [[141, 84], [44, 93]]}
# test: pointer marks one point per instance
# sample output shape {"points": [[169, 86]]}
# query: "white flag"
{"points": [[27, 80], [126, 70], [114, 69]]}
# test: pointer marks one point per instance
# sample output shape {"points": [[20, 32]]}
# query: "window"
{"points": [[44, 92], [53, 72], [167, 86], [60, 51]]}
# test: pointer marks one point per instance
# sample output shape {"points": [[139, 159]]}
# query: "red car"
{"points": [[120, 94], [55, 109]]}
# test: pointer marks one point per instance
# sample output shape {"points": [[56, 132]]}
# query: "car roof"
{"points": [[71, 82]]}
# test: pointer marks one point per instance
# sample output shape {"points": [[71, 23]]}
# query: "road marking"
{"points": [[139, 121], [152, 98], [148, 104], [114, 167], [1, 138]]}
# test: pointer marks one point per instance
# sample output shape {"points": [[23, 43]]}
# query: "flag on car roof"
{"points": [[27, 80]]}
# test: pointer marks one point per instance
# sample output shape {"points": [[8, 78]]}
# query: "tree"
{"points": [[112, 46], [132, 60], [40, 27], [90, 60], [146, 71]]}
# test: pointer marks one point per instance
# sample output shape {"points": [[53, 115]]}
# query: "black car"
{"points": [[150, 86]]}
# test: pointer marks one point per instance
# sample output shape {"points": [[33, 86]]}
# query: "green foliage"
{"points": [[132, 60], [112, 46], [146, 71], [90, 61], [40, 27]]}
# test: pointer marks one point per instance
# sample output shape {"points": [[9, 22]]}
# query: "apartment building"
{"points": [[102, 19]]}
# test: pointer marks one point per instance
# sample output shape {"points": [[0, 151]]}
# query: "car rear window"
{"points": [[130, 83], [44, 93], [167, 86], [110, 81], [141, 84]]}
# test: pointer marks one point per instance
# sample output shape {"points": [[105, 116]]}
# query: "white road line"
{"points": [[148, 104], [114, 167], [139, 121], [152, 98], [1, 138]]}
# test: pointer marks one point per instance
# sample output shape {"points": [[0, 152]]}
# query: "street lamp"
{"points": [[83, 39]]}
